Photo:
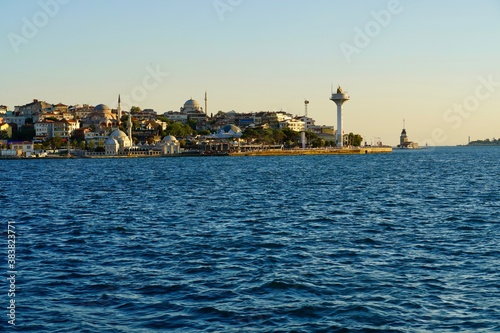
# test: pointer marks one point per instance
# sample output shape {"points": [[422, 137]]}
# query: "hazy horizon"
{"points": [[432, 64]]}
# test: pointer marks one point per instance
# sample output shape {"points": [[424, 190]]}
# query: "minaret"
{"points": [[119, 110], [206, 101], [339, 98], [303, 134], [130, 127]]}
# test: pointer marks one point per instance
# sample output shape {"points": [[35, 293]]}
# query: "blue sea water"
{"points": [[403, 242]]}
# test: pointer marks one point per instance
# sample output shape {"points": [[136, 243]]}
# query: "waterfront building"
{"points": [[111, 147], [3, 109], [170, 145], [121, 139], [22, 148]]}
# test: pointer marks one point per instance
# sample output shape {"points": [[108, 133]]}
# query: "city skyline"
{"points": [[431, 64]]}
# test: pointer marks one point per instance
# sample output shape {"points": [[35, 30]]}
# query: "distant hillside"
{"points": [[487, 142]]}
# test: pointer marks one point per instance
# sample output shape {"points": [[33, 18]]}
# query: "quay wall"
{"points": [[324, 151]]}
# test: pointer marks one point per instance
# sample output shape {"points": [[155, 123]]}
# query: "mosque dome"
{"points": [[118, 134], [169, 138], [192, 106], [111, 142], [102, 108], [191, 103]]}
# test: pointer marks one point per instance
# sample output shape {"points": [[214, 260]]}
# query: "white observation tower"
{"points": [[339, 98]]}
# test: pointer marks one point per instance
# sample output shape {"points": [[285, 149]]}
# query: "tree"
{"points": [[55, 142], [278, 136], [204, 132], [317, 143], [164, 119], [355, 139], [25, 133], [192, 123], [4, 135], [135, 109], [291, 137]]}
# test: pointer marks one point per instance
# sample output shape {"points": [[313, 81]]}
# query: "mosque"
{"points": [[102, 118], [193, 110], [121, 143]]}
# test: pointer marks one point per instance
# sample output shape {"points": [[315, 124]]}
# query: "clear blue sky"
{"points": [[254, 55]]}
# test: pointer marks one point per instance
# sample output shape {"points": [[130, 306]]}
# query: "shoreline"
{"points": [[321, 151], [267, 152]]}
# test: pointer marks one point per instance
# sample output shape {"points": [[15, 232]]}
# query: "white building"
{"points": [[170, 145], [23, 148], [293, 124], [176, 116], [122, 140], [52, 129], [309, 122], [9, 118], [111, 147], [43, 128]]}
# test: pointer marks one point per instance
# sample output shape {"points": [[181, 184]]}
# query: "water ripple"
{"points": [[406, 242]]}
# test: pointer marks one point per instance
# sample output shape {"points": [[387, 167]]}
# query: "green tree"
{"points": [[25, 133], [192, 123], [292, 138], [135, 109], [4, 135], [355, 139], [278, 136], [204, 132], [55, 142]]}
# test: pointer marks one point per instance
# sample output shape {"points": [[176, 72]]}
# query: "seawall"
{"points": [[323, 151]]}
